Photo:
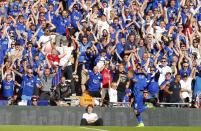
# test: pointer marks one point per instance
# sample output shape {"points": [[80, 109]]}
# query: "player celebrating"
{"points": [[140, 106]]}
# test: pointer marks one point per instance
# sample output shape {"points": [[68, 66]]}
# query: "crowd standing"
{"points": [[111, 49]]}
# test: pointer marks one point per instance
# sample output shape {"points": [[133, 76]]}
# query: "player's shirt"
{"points": [[141, 83]]}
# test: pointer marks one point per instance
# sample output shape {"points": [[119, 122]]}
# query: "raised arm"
{"points": [[17, 72]]}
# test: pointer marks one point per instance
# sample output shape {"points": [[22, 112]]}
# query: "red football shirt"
{"points": [[106, 74], [53, 59]]}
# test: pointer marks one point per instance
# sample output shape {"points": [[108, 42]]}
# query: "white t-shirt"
{"points": [[102, 26], [163, 71], [101, 63], [112, 95], [159, 31], [186, 85], [107, 11], [67, 57], [46, 43], [90, 117], [195, 50]]}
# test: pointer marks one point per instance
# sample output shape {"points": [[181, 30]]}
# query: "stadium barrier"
{"points": [[175, 104], [21, 115]]}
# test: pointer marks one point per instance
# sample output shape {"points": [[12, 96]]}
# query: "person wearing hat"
{"points": [[101, 60], [185, 68]]}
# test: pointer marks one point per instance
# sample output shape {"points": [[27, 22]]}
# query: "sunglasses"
{"points": [[163, 61]]}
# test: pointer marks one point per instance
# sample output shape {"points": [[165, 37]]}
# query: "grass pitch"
{"points": [[104, 128]]}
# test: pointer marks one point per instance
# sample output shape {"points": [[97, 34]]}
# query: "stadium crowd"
{"points": [[111, 49]]}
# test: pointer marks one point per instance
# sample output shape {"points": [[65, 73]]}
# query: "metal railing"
{"points": [[174, 104]]}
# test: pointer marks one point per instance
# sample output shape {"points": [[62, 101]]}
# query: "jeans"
{"points": [[24, 97], [120, 96], [44, 95], [68, 71]]}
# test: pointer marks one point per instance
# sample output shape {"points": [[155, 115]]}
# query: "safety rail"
{"points": [[174, 104]]}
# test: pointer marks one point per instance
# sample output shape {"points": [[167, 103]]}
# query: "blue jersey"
{"points": [[75, 17], [21, 27], [3, 48], [82, 50], [120, 48], [182, 72], [57, 77], [126, 98], [153, 86], [61, 24], [8, 88], [141, 83], [94, 81], [28, 85], [165, 82]]}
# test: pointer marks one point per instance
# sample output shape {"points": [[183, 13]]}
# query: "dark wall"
{"points": [[111, 116]]}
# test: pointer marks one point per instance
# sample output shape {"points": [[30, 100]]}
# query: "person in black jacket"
{"points": [[62, 91]]}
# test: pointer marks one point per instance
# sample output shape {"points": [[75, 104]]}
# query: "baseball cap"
{"points": [[185, 75]]}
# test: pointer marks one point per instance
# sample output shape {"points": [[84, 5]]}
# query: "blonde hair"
{"points": [[113, 85]]}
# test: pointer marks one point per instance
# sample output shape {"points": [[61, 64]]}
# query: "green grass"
{"points": [[105, 128]]}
